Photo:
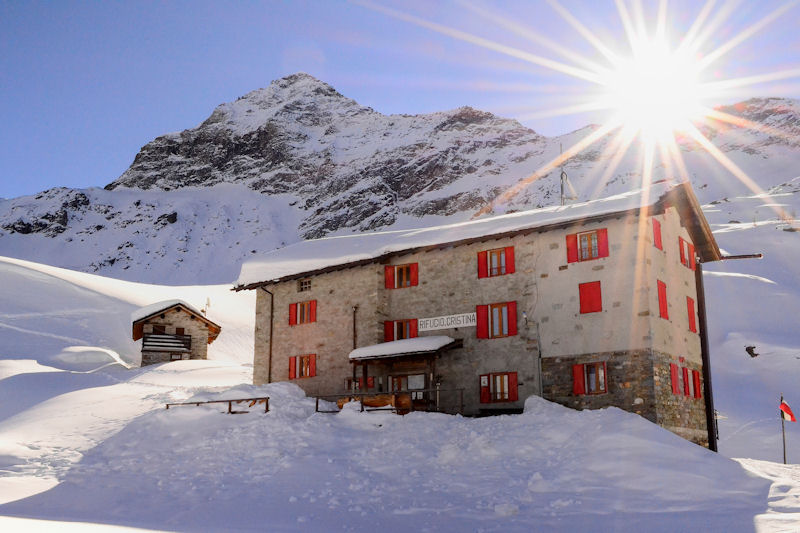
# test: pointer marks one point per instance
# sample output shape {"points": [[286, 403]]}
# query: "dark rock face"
{"points": [[353, 167]]}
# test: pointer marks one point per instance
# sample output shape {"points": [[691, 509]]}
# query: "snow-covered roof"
{"points": [[402, 347], [313, 255], [146, 311]]}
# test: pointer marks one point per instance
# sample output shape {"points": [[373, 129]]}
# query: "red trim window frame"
{"points": [[589, 378], [395, 330], [502, 320], [302, 313], [686, 250], [590, 297], [401, 276], [303, 366], [587, 245], [497, 262], [499, 387], [359, 383]]}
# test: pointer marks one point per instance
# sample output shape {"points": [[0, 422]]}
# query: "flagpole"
{"points": [[783, 432]]}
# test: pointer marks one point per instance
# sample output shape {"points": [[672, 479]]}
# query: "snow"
{"points": [[95, 449], [148, 310], [307, 256], [401, 347]]}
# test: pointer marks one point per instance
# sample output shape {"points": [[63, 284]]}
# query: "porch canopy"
{"points": [[406, 347]]}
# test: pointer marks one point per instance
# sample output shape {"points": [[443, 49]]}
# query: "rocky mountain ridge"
{"points": [[299, 160]]}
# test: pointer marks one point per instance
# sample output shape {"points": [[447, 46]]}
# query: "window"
{"points": [[359, 383], [589, 378], [180, 331], [496, 320], [304, 285], [690, 314], [159, 330], [498, 387], [175, 356], [395, 330], [414, 382], [303, 366], [587, 245], [496, 262], [663, 308], [303, 312], [657, 234], [686, 253], [591, 299], [691, 387], [401, 276]]}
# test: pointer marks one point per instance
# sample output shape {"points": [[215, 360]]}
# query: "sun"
{"points": [[656, 91]]}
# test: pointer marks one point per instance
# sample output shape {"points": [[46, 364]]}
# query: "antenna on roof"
{"points": [[565, 182]]}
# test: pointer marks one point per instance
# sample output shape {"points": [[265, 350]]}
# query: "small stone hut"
{"points": [[173, 330]]}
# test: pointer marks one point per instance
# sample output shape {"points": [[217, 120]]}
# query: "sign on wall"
{"points": [[446, 322]]}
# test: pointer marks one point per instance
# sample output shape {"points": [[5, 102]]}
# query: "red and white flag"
{"points": [[786, 412]]}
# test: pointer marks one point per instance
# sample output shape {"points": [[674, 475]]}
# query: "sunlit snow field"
{"points": [[85, 441]]}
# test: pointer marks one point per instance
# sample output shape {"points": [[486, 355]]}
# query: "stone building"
{"points": [[173, 330], [589, 305]]}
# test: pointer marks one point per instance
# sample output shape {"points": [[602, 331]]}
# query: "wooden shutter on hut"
{"points": [[388, 331], [578, 380], [572, 248], [414, 268], [510, 267], [388, 276], [696, 379], [292, 367], [512, 317], [657, 235], [602, 242], [512, 387], [685, 372], [683, 250], [663, 309], [690, 313], [590, 296], [312, 312], [413, 328], [692, 264], [485, 395], [312, 365], [482, 317], [292, 314], [483, 265], [673, 376]]}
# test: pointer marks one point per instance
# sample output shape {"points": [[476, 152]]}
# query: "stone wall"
{"points": [[629, 382], [681, 414]]}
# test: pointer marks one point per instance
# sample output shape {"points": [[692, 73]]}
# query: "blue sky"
{"points": [[85, 84]]}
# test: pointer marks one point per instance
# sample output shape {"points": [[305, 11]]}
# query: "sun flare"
{"points": [[656, 91]]}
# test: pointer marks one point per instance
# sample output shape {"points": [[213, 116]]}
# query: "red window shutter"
{"points": [[292, 314], [388, 276], [591, 299], [663, 310], [312, 311], [312, 365], [572, 248], [483, 265], [690, 312], [482, 316], [361, 383], [512, 387], [673, 375], [683, 250], [602, 242], [512, 317], [578, 380], [414, 274], [685, 372], [413, 328], [657, 234], [510, 267], [485, 397], [692, 264], [388, 331], [696, 377], [370, 382], [292, 367]]}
